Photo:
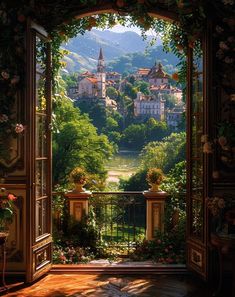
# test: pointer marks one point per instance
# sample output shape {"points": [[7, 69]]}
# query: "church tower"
{"points": [[101, 76]]}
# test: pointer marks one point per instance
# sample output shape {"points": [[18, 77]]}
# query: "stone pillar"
{"points": [[154, 212], [78, 204]]}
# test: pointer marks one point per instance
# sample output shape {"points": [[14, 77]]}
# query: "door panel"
{"points": [[196, 239], [39, 182]]}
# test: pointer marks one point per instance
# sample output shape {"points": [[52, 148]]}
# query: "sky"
{"points": [[120, 29]]}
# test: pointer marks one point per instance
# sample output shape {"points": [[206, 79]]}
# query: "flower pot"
{"points": [[154, 188], [79, 187]]}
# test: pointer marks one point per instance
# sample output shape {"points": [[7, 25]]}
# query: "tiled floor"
{"points": [[74, 285]]}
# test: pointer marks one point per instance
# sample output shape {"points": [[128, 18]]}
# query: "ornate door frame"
{"points": [[38, 150]]}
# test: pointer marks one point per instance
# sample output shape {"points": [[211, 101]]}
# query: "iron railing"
{"points": [[120, 217]]}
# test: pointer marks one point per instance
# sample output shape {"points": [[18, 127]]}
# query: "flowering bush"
{"points": [[6, 208], [167, 248], [71, 254]]}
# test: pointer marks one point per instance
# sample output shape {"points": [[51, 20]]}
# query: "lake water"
{"points": [[123, 164]]}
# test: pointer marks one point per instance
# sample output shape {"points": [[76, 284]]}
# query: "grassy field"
{"points": [[123, 164], [123, 233]]}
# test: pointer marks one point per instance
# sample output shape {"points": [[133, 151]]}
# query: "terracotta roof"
{"points": [[92, 79], [143, 71], [157, 72], [85, 74], [112, 73]]}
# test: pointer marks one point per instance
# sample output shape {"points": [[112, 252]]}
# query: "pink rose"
{"points": [[207, 148], [11, 197], [19, 128], [222, 140]]}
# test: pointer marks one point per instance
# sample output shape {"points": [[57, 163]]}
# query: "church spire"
{"points": [[101, 57], [100, 65]]}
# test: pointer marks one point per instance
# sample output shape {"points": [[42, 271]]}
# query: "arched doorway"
{"points": [[38, 240]]}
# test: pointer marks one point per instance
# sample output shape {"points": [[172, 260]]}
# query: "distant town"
{"points": [[91, 88]]}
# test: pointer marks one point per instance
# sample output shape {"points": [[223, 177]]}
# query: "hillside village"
{"points": [[91, 88]]}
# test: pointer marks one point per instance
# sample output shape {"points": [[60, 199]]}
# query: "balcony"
{"points": [[110, 230]]}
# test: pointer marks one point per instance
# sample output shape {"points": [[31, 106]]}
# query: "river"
{"points": [[123, 164]]}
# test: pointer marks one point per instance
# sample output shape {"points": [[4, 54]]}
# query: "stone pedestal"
{"points": [[154, 212], [78, 204]]}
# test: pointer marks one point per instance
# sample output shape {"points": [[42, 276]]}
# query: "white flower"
{"points": [[5, 74], [3, 118], [223, 45], [19, 128], [219, 29]]}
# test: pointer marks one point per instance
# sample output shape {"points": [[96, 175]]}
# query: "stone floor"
{"points": [[76, 285]]}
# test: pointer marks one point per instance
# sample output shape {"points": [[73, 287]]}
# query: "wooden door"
{"points": [[39, 238], [196, 163]]}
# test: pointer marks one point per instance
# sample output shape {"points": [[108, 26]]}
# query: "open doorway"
{"points": [[195, 130], [166, 151]]}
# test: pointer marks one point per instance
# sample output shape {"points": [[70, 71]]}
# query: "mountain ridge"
{"points": [[84, 51]]}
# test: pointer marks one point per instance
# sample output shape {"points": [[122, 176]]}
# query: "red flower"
{"points": [[11, 197]]}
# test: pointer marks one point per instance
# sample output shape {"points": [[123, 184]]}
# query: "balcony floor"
{"points": [[78, 285]]}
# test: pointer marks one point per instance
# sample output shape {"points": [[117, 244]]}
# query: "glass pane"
{"points": [[197, 131], [197, 175], [41, 136], [197, 82], [41, 178], [40, 55], [40, 93], [196, 146], [41, 216], [197, 217]]}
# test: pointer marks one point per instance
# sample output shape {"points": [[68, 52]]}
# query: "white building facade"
{"points": [[146, 106]]}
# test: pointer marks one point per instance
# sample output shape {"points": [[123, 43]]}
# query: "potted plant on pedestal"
{"points": [[154, 178], [79, 177]]}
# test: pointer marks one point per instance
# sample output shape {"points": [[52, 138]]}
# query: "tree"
{"points": [[112, 93], [142, 86], [130, 91], [155, 130], [134, 136], [76, 143], [96, 112], [171, 100], [166, 153], [70, 80], [137, 182]]}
